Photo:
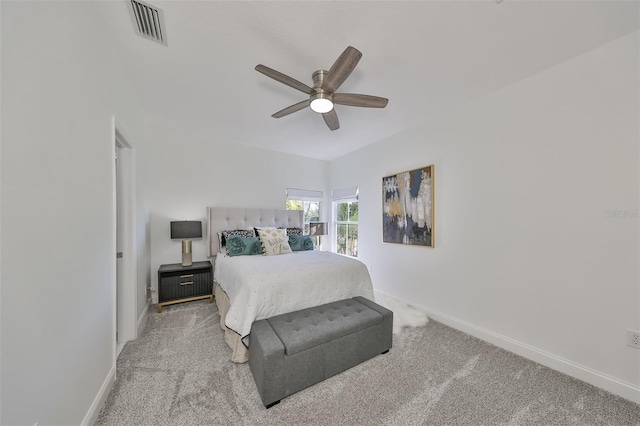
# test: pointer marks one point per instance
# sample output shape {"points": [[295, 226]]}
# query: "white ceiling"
{"points": [[422, 55]]}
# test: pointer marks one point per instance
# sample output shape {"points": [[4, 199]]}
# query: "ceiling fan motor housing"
{"points": [[318, 78]]}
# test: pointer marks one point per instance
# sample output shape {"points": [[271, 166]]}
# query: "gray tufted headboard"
{"points": [[224, 218]]}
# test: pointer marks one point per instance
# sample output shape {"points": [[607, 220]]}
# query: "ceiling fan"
{"points": [[322, 96]]}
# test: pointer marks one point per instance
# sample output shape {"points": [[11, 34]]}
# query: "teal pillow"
{"points": [[243, 246], [301, 242]]}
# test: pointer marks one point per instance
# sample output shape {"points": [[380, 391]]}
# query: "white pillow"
{"points": [[272, 232], [274, 241]]}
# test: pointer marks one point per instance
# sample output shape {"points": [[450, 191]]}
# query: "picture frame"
{"points": [[408, 207]]}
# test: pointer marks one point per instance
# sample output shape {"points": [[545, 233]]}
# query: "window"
{"points": [[345, 205], [347, 228], [308, 202], [311, 211]]}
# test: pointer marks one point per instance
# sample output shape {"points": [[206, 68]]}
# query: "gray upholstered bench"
{"points": [[290, 352]]}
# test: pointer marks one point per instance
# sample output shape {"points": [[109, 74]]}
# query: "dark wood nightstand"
{"points": [[177, 283]]}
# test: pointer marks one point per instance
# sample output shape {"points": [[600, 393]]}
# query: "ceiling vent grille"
{"points": [[148, 21]]}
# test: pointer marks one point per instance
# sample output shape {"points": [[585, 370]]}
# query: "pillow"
{"points": [[300, 242], [294, 231], [274, 241], [275, 245], [272, 232], [257, 229], [222, 236], [243, 246]]}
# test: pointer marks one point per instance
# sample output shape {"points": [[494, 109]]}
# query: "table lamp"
{"points": [[318, 229], [185, 230]]}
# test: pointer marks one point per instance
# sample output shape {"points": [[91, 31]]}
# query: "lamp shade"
{"points": [[186, 229], [318, 228]]}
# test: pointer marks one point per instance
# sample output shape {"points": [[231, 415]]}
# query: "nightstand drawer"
{"points": [[178, 285]]}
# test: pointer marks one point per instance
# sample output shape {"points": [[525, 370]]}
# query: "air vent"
{"points": [[148, 21]]}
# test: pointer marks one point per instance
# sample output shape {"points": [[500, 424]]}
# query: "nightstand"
{"points": [[177, 283]]}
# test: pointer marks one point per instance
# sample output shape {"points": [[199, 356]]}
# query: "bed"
{"points": [[249, 288]]}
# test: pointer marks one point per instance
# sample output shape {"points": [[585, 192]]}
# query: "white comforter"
{"points": [[263, 286]]}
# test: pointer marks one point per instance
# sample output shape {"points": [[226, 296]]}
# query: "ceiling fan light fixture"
{"points": [[321, 105], [321, 102]]}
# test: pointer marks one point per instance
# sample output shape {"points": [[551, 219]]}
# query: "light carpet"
{"points": [[178, 373]]}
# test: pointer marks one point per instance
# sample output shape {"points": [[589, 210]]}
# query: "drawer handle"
{"points": [[186, 276], [187, 283]]}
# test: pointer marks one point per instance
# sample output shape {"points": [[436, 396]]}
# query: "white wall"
{"points": [[525, 254], [190, 172], [61, 84]]}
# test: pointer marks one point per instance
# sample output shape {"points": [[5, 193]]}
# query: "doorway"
{"points": [[125, 302]]}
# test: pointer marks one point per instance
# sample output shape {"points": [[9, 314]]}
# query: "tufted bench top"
{"points": [[314, 326]]}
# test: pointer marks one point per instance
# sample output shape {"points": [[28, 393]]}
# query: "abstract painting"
{"points": [[407, 207]]}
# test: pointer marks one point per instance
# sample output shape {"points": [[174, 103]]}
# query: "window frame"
{"points": [[340, 196]]}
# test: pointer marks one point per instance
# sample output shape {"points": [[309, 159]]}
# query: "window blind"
{"points": [[304, 194], [350, 193]]}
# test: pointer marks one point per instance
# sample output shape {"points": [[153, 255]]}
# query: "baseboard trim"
{"points": [[563, 365], [101, 398], [142, 321], [596, 378]]}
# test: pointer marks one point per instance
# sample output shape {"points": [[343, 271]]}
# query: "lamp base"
{"points": [[186, 253]]}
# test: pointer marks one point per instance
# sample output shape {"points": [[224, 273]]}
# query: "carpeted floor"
{"points": [[178, 373]]}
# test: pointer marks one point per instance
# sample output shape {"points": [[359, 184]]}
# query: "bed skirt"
{"points": [[240, 352]]}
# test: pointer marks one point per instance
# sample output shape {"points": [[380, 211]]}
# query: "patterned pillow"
{"points": [[301, 242], [294, 231], [222, 236], [274, 241], [243, 246]]}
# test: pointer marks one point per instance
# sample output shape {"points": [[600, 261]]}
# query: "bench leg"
{"points": [[272, 404]]}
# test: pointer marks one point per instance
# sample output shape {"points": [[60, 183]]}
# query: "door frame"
{"points": [[127, 168]]}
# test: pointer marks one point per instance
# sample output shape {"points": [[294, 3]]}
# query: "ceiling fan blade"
{"points": [[341, 68], [284, 79], [353, 99], [291, 109], [331, 118]]}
